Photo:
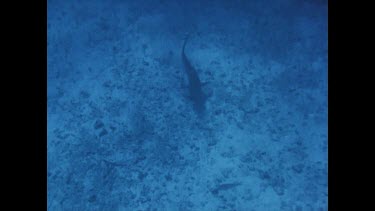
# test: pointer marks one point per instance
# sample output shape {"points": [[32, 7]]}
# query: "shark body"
{"points": [[196, 94]]}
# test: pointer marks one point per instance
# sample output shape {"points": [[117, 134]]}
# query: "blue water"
{"points": [[123, 133]]}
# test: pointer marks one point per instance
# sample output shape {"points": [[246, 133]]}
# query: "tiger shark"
{"points": [[196, 94]]}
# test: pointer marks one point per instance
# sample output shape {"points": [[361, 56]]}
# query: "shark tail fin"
{"points": [[187, 36]]}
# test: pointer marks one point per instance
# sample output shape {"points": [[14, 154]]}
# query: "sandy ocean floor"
{"points": [[123, 133]]}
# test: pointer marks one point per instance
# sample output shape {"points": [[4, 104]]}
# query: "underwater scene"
{"points": [[187, 105]]}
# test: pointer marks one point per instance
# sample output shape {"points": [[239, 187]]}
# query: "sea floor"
{"points": [[123, 134]]}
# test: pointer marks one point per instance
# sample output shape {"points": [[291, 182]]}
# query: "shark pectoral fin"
{"points": [[208, 94], [207, 91], [205, 83], [186, 96]]}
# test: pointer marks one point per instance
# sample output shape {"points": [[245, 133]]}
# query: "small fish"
{"points": [[224, 187]]}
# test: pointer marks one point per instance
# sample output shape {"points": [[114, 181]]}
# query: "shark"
{"points": [[196, 94]]}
